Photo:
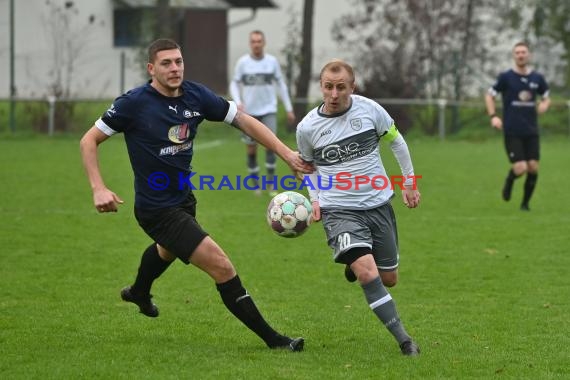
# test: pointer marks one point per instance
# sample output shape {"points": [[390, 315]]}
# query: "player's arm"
{"points": [[306, 151], [544, 104], [495, 120], [263, 135], [284, 95], [410, 193], [235, 94], [104, 200], [314, 196]]}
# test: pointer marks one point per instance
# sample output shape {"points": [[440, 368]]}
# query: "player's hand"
{"points": [[542, 107], [298, 165], [316, 211], [291, 118], [105, 200], [411, 197], [496, 122]]}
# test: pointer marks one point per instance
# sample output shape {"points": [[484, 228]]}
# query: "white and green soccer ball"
{"points": [[289, 214]]}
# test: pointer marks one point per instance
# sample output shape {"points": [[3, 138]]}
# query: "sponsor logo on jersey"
{"points": [[327, 132], [347, 149], [190, 114], [341, 153], [173, 149], [525, 96], [173, 109], [179, 133], [259, 79]]}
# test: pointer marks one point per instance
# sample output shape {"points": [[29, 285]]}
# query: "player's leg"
{"points": [[209, 257], [515, 152], [251, 161], [384, 230], [532, 151], [270, 120], [165, 227], [381, 302], [349, 235], [154, 261]]}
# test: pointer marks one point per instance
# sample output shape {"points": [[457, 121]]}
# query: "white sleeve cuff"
{"points": [[105, 128], [232, 112]]}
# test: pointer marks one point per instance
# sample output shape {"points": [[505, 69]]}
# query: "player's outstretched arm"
{"points": [[104, 199], [263, 135]]}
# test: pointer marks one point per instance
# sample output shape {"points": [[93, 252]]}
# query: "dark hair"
{"points": [[335, 66], [159, 45]]}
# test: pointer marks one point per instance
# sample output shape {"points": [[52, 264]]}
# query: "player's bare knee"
{"points": [[389, 279], [520, 168], [165, 254], [533, 167]]}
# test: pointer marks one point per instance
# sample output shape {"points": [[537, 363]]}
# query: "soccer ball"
{"points": [[289, 214]]}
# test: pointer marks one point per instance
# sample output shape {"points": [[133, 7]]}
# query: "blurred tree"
{"points": [[442, 48], [306, 59], [550, 20], [412, 48], [163, 20], [68, 34]]}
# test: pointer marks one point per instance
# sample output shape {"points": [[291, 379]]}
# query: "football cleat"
{"points": [[409, 348], [294, 345], [144, 303]]}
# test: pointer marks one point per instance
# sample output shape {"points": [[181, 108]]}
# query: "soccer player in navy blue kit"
{"points": [[160, 121], [519, 88]]}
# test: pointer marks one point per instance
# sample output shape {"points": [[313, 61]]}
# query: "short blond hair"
{"points": [[335, 66]]}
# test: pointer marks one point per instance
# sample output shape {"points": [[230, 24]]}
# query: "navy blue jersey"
{"points": [[519, 93], [159, 133]]}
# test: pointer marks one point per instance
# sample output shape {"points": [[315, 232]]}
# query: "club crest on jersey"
{"points": [[356, 124], [179, 133]]}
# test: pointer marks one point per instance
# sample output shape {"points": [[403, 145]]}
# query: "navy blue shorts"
{"points": [[522, 148], [174, 228]]}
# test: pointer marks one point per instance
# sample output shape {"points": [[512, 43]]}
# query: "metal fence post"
{"points": [[51, 120], [441, 117], [568, 104]]}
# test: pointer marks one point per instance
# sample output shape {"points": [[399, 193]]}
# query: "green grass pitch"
{"points": [[484, 288]]}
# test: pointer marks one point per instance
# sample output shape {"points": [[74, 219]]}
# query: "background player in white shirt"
{"points": [[341, 138], [257, 76]]}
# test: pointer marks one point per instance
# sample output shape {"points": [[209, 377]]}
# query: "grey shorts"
{"points": [[270, 120], [374, 229]]}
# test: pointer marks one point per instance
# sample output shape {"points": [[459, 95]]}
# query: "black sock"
{"points": [[529, 185], [151, 267], [508, 188], [239, 302]]}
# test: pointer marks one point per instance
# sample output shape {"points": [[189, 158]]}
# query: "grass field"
{"points": [[484, 288]]}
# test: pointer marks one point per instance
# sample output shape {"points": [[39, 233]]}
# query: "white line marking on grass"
{"points": [[209, 144]]}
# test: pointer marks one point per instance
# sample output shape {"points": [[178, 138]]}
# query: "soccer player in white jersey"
{"points": [[341, 138], [257, 76]]}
